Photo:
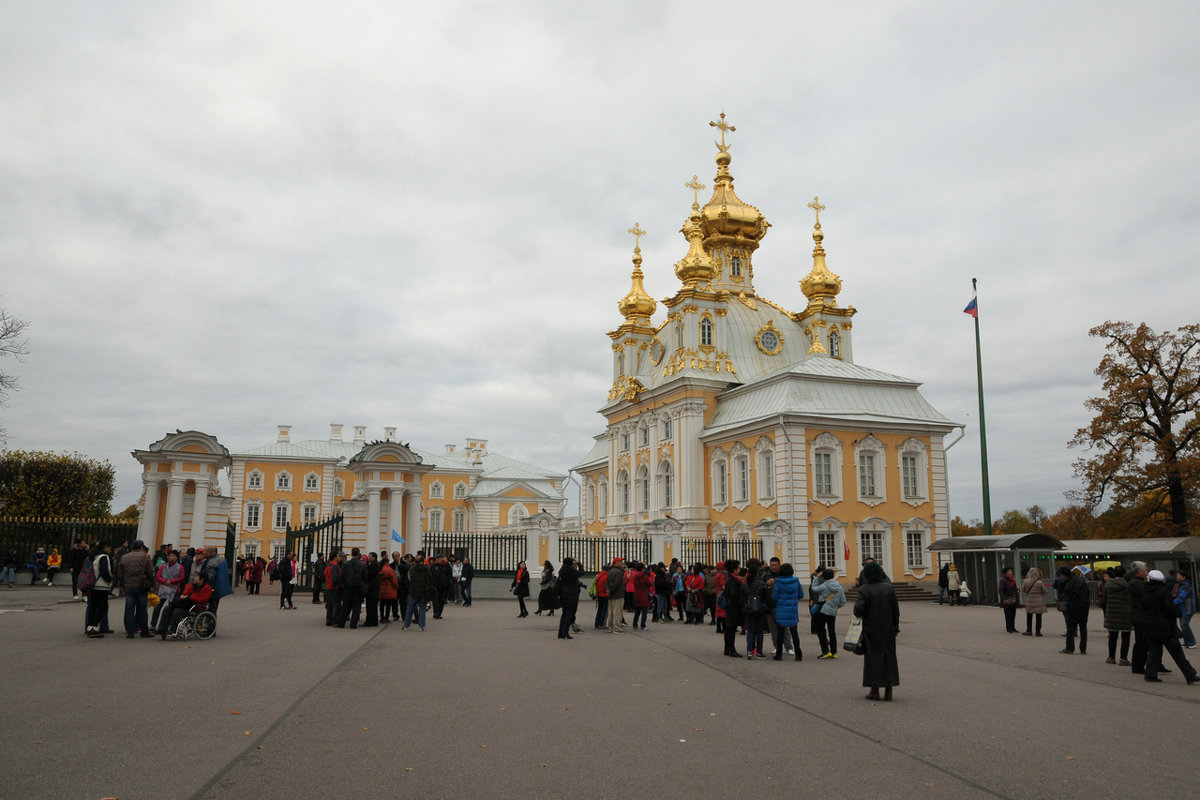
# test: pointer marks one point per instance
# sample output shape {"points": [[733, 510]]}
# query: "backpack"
{"points": [[592, 588], [721, 600], [754, 603], [87, 577]]}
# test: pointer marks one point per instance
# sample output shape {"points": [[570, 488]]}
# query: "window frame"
{"points": [[283, 481], [871, 485], [828, 444]]}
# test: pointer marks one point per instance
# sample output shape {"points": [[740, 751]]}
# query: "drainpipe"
{"points": [[791, 494]]}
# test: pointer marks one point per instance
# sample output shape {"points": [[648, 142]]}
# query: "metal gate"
{"points": [[319, 539], [716, 551], [231, 545]]}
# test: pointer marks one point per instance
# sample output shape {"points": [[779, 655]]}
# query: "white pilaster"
{"points": [[412, 522], [373, 519], [148, 522], [395, 517], [174, 519], [199, 530]]}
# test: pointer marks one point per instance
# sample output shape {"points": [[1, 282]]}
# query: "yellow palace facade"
{"points": [[735, 419], [399, 487]]}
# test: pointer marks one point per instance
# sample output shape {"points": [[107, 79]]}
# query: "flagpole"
{"points": [[983, 459]]}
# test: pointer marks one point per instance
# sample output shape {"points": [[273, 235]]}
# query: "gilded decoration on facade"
{"points": [[747, 301], [769, 339], [626, 388], [687, 358]]}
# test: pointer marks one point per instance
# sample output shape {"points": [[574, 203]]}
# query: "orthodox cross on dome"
{"points": [[723, 127], [817, 208], [637, 232], [695, 185]]}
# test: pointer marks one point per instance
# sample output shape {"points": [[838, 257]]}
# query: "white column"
{"points": [[412, 521], [395, 517], [174, 521], [199, 517], [373, 519], [148, 522]]}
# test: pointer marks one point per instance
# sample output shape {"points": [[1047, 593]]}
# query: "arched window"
{"points": [[835, 343], [706, 332], [735, 266], [643, 489], [460, 491], [720, 479], [436, 492], [516, 514], [312, 482], [623, 491], [283, 482], [666, 491]]}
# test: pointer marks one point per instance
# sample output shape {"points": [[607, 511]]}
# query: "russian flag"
{"points": [[973, 307]]}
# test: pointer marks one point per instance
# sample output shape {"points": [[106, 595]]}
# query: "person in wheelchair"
{"points": [[197, 593]]}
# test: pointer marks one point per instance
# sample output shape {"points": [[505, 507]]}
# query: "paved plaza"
{"points": [[483, 704]]}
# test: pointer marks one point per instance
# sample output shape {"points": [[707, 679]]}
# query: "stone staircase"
{"points": [[926, 591]]}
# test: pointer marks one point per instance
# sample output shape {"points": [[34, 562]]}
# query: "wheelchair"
{"points": [[200, 622]]}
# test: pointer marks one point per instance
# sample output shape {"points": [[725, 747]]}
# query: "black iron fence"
{"points": [[27, 535], [592, 552], [490, 554], [311, 541], [713, 551]]}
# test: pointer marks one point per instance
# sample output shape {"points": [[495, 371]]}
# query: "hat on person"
{"points": [[139, 545], [1156, 575]]}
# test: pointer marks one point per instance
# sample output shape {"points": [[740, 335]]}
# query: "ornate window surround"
{"points": [[914, 448], [919, 527], [720, 478], [437, 491], [764, 471], [254, 480], [460, 490], [312, 482], [283, 481], [827, 443], [739, 477], [870, 445]]}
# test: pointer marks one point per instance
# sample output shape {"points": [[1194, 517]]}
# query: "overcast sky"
{"points": [[229, 216]]}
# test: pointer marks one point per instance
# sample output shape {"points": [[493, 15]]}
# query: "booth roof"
{"points": [[1008, 541]]}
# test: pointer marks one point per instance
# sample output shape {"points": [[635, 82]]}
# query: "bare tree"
{"points": [[12, 343]]}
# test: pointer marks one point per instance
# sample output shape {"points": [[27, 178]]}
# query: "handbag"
{"points": [[152, 600], [815, 608], [853, 636]]}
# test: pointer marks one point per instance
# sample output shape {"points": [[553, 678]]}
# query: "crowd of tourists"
{"points": [[402, 590], [753, 600], [1138, 603], [171, 583]]}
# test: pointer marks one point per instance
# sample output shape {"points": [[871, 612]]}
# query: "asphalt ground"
{"points": [[483, 704]]}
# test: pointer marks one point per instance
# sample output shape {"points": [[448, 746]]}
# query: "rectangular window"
{"points": [[309, 515], [624, 441], [435, 519], [866, 474], [250, 550], [914, 548], [908, 476], [281, 516], [666, 429], [645, 437], [766, 476], [253, 515], [624, 497], [666, 479], [254, 481], [644, 494], [311, 483], [872, 545], [279, 551], [722, 483], [827, 553], [823, 474], [460, 520], [743, 468]]}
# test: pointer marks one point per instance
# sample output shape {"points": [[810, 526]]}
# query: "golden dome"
{"points": [[637, 306], [725, 214]]}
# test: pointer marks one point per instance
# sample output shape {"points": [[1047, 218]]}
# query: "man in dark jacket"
{"points": [[283, 571], [568, 594], [468, 575], [373, 568], [1137, 615], [1158, 615], [420, 582], [616, 595], [943, 582], [441, 586], [333, 587], [79, 555], [135, 571], [354, 588], [1078, 603]]}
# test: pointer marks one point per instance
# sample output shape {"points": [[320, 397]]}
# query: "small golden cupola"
{"points": [[826, 325], [696, 268], [637, 307], [731, 229], [820, 286]]}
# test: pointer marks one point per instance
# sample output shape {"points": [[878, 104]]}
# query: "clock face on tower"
{"points": [[656, 352], [768, 340]]}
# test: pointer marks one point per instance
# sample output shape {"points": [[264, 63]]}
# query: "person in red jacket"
{"points": [[601, 599], [389, 593], [197, 593], [642, 584]]}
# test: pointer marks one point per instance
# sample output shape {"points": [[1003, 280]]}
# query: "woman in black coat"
{"points": [[880, 613], [735, 602], [547, 598], [520, 587]]}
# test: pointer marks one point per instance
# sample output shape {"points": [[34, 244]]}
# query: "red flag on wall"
{"points": [[846, 549]]}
